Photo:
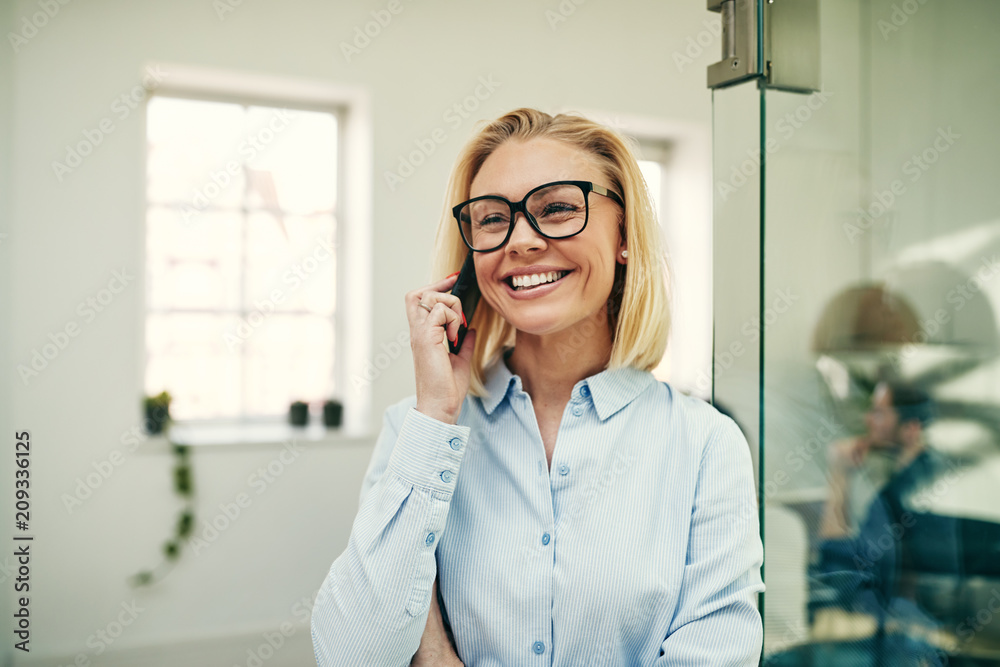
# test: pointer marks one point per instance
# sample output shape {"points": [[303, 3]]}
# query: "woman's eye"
{"points": [[492, 220], [558, 209]]}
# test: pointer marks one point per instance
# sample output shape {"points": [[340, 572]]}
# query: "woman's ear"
{"points": [[622, 254]]}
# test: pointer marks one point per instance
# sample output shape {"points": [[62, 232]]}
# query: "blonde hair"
{"points": [[638, 306]]}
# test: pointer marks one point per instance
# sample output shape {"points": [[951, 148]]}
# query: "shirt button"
{"points": [[546, 538], [564, 470], [446, 476], [430, 539], [455, 443], [585, 391], [577, 410], [538, 648]]}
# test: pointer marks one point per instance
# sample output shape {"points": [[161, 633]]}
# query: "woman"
{"points": [[572, 509]]}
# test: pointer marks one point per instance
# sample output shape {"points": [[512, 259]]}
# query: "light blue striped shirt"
{"points": [[639, 546]]}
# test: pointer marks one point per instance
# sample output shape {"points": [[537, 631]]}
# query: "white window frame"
{"points": [[353, 239]]}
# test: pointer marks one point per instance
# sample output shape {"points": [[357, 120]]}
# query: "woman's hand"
{"points": [[442, 377], [435, 648]]}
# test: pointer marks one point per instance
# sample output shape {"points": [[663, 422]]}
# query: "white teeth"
{"points": [[521, 282]]}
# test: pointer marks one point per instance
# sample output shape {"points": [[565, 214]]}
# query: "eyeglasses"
{"points": [[555, 210]]}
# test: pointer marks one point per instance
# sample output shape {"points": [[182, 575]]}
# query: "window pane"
{"points": [[194, 266], [652, 172], [240, 227], [290, 263], [289, 357], [292, 159], [195, 152], [188, 356]]}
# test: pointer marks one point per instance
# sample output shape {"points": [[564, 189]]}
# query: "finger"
{"points": [[444, 317], [450, 301], [444, 283]]}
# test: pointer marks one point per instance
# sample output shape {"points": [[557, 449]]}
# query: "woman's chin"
{"points": [[542, 325]]}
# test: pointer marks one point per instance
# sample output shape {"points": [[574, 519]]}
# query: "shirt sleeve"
{"points": [[372, 607], [717, 622]]}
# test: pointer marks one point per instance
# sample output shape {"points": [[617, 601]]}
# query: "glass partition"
{"points": [[864, 258]]}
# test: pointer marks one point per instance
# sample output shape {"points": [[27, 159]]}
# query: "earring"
{"points": [[624, 253]]}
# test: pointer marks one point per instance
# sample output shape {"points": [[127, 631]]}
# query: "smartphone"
{"points": [[466, 288]]}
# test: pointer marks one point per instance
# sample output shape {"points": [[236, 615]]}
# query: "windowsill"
{"points": [[260, 434]]}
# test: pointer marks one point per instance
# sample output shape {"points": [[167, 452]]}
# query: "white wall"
{"points": [[65, 239]]}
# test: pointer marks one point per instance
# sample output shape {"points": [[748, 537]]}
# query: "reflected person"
{"points": [[874, 541]]}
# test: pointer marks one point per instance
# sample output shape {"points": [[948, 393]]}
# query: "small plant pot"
{"points": [[157, 418], [333, 414], [157, 413], [298, 414]]}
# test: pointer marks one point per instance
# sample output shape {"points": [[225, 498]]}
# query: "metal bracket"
{"points": [[789, 43], [739, 43]]}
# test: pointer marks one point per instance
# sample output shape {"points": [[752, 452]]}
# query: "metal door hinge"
{"points": [[776, 40]]}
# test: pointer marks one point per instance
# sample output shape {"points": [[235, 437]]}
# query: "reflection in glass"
{"points": [[880, 438]]}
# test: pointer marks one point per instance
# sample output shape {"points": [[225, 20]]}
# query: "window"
{"points": [[242, 224], [675, 164]]}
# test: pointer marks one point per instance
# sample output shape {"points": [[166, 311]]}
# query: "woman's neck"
{"points": [[550, 365]]}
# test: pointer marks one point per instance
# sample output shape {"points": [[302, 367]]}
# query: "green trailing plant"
{"points": [[183, 527]]}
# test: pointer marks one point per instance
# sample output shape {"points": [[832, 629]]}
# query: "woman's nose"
{"points": [[524, 237]]}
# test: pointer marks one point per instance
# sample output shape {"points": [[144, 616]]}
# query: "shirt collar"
{"points": [[611, 389]]}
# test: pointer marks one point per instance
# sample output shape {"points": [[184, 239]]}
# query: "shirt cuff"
{"points": [[429, 452]]}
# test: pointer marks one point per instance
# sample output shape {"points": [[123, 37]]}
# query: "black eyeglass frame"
{"points": [[520, 206]]}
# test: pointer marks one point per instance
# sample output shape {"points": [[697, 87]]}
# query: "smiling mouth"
{"points": [[523, 283]]}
